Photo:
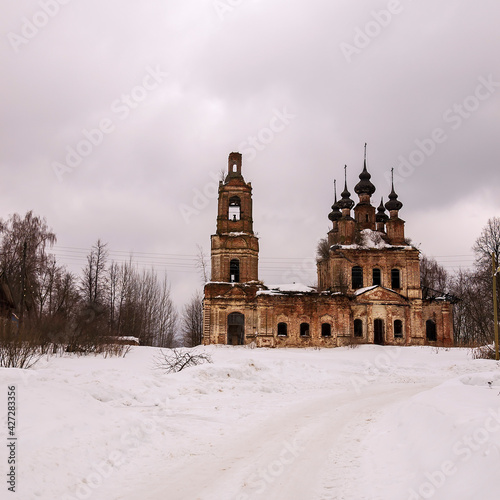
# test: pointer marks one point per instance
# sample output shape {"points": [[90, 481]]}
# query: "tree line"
{"points": [[107, 302], [472, 288], [112, 300]]}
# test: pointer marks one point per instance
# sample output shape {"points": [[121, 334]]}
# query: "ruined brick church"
{"points": [[368, 280]]}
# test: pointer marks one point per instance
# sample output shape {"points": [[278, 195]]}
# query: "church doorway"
{"points": [[236, 329], [378, 327]]}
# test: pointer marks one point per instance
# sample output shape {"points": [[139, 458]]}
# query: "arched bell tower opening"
{"points": [[234, 209]]}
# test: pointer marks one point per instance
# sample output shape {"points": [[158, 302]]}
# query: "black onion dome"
{"points": [[393, 203], [346, 201], [335, 213], [364, 186], [381, 215]]}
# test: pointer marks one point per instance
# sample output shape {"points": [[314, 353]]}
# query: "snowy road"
{"points": [[372, 423], [309, 450]]}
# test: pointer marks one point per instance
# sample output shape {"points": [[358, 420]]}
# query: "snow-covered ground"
{"points": [[386, 423]]}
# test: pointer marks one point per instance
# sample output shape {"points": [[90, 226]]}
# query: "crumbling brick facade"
{"points": [[368, 282]]}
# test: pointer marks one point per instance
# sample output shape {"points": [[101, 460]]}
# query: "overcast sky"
{"points": [[165, 90]]}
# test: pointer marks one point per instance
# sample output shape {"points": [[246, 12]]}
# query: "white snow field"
{"points": [[388, 423]]}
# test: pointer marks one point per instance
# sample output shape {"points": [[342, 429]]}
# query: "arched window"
{"points": [[357, 277], [430, 330], [234, 271], [234, 208], [282, 330], [395, 279], [326, 330], [377, 277], [398, 329], [304, 329], [358, 328]]}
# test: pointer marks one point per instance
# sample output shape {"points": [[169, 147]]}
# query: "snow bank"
{"points": [[443, 443], [371, 422]]}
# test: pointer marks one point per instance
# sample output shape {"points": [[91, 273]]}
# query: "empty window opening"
{"points": [[234, 208], [377, 277], [234, 271], [326, 330], [395, 279], [378, 331], [357, 277], [398, 329], [235, 168], [236, 329], [358, 328], [430, 330], [282, 330], [304, 329], [367, 218]]}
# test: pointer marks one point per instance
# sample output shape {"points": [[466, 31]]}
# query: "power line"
{"points": [[188, 263]]}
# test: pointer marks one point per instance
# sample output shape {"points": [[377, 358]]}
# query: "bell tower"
{"points": [[235, 248]]}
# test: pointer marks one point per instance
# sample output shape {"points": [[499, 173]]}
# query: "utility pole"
{"points": [[495, 307]]}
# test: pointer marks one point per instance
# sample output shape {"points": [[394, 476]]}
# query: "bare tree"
{"points": [[322, 250], [202, 264], [95, 280], [24, 258], [192, 321], [473, 316], [487, 243], [141, 305], [433, 277], [166, 319]]}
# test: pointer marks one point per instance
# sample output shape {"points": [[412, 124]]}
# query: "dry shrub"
{"points": [[19, 347], [175, 360], [484, 352], [354, 342]]}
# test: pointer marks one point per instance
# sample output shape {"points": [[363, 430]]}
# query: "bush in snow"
{"points": [[175, 360], [19, 347], [484, 352]]}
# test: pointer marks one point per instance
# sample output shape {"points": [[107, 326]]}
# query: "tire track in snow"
{"points": [[309, 450]]}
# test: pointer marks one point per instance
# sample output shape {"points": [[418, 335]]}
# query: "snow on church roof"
{"points": [[359, 291], [374, 240], [286, 288]]}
